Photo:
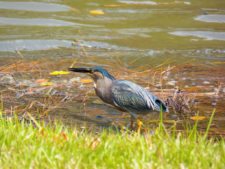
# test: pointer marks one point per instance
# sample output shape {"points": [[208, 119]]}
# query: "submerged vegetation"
{"points": [[24, 145], [41, 88]]}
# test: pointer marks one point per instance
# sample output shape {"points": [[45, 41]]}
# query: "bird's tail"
{"points": [[161, 105]]}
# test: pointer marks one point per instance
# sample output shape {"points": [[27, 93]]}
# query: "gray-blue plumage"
{"points": [[134, 98], [123, 94]]}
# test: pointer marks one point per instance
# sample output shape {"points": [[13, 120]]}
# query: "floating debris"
{"points": [[97, 12], [112, 5]]}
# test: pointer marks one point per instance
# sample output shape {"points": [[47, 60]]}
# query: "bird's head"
{"points": [[96, 72]]}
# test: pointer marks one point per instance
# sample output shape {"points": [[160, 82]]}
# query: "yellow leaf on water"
{"points": [[55, 73], [195, 118], [46, 84], [96, 12], [86, 81]]}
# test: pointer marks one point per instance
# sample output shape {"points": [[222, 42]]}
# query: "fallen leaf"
{"points": [[42, 132], [41, 80], [46, 84], [96, 12], [97, 102], [86, 81], [56, 73], [95, 142], [64, 136], [199, 118]]}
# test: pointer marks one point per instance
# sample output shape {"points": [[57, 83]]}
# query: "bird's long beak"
{"points": [[81, 70]]}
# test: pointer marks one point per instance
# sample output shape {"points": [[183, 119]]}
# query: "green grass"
{"points": [[24, 146]]}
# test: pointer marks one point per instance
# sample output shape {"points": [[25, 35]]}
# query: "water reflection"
{"points": [[102, 45], [32, 45], [33, 6], [211, 18], [38, 44], [138, 2], [208, 35]]}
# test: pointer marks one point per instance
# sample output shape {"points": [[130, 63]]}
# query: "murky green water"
{"points": [[189, 35]]}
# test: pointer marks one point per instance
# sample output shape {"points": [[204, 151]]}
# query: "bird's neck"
{"points": [[103, 89]]}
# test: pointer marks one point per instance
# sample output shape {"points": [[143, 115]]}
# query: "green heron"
{"points": [[123, 94]]}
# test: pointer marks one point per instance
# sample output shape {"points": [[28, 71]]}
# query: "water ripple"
{"points": [[138, 2], [35, 22], [32, 45], [211, 18], [34, 6], [208, 35]]}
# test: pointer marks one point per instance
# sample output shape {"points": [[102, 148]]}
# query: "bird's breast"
{"points": [[103, 90]]}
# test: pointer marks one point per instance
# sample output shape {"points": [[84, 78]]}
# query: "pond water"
{"points": [[184, 38]]}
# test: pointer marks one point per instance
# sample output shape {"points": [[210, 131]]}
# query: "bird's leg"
{"points": [[133, 117], [138, 122], [131, 122]]}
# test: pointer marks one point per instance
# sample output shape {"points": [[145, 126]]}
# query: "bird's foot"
{"points": [[136, 125]]}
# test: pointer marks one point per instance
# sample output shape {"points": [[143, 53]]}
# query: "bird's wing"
{"points": [[132, 97]]}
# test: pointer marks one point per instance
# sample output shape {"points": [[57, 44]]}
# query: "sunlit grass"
{"points": [[55, 146]]}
